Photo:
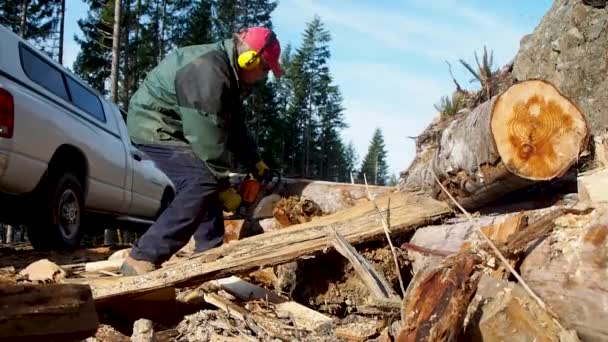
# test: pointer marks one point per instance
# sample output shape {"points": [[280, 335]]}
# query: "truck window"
{"points": [[42, 73], [86, 100]]}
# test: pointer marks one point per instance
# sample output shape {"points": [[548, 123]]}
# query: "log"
{"points": [[47, 312], [528, 134], [592, 186], [568, 271], [330, 196], [357, 224]]}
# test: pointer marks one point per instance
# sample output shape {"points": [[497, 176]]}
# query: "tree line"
{"points": [[297, 120]]}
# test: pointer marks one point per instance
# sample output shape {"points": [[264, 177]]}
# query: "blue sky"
{"points": [[388, 57]]}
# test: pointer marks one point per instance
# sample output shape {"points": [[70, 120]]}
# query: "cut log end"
{"points": [[538, 132]]}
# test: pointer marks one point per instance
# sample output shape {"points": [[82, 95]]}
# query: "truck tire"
{"points": [[58, 226]]}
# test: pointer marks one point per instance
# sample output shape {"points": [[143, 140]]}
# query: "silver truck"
{"points": [[66, 161]]}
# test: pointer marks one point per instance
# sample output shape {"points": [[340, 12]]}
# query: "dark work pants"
{"points": [[195, 210]]}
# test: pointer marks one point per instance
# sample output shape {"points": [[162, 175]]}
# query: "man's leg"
{"points": [[196, 194], [210, 232]]}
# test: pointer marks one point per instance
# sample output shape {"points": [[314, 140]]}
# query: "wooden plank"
{"points": [[47, 312], [356, 224], [226, 305], [375, 282]]}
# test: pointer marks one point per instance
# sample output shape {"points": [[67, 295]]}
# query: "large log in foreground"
{"points": [[357, 224], [529, 133], [49, 312]]}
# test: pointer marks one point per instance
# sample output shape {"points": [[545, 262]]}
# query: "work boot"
{"points": [[133, 267]]}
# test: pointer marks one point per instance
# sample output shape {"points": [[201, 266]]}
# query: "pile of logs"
{"points": [[537, 273]]}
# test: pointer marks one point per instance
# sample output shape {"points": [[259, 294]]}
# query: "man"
{"points": [[187, 117]]}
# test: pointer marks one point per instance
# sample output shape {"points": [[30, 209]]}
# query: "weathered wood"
{"points": [[500, 232], [47, 312], [568, 271], [504, 144], [504, 311], [375, 282], [245, 291], [105, 265], [357, 224], [436, 306], [143, 331]]}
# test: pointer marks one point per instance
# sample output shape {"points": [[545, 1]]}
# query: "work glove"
{"points": [[263, 171], [230, 199]]}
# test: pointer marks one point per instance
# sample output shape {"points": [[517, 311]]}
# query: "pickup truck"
{"points": [[66, 161]]}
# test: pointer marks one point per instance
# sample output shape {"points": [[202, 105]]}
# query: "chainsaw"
{"points": [[252, 191]]}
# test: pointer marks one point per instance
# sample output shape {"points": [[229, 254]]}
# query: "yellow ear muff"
{"points": [[248, 60]]}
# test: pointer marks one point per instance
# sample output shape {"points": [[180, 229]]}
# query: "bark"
{"points": [[161, 37], [23, 21], [115, 51], [528, 134], [357, 224], [435, 306], [61, 32], [48, 312]]}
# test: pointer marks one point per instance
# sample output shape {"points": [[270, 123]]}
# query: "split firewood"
{"points": [[435, 306], [47, 312], [359, 329], [375, 282], [295, 210], [500, 232], [530, 133]]}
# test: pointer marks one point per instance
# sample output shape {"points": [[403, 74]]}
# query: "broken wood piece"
{"points": [[527, 134], [143, 331], [592, 186], [500, 232], [521, 240], [110, 265], [375, 282], [44, 271], [436, 305], [304, 317], [512, 315], [226, 305], [215, 337], [47, 312], [356, 224]]}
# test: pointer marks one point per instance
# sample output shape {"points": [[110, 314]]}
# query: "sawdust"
{"points": [[296, 210]]}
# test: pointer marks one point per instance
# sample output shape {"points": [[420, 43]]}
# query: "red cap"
{"points": [[256, 38]]}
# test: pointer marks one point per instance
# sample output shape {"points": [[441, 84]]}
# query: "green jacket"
{"points": [[193, 98]]}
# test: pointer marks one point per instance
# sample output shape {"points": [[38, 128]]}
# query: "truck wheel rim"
{"points": [[69, 214]]}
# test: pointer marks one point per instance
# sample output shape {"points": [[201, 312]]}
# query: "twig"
{"points": [[500, 256], [426, 251], [388, 237]]}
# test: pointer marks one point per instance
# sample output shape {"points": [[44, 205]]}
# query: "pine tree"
{"points": [[199, 28], [393, 180], [374, 165], [93, 63], [34, 20]]}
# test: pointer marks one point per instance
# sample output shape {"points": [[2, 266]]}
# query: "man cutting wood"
{"points": [[187, 117]]}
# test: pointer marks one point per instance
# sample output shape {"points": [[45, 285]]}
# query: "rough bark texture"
{"points": [[568, 49], [357, 224], [47, 312], [479, 160], [568, 270], [435, 308]]}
